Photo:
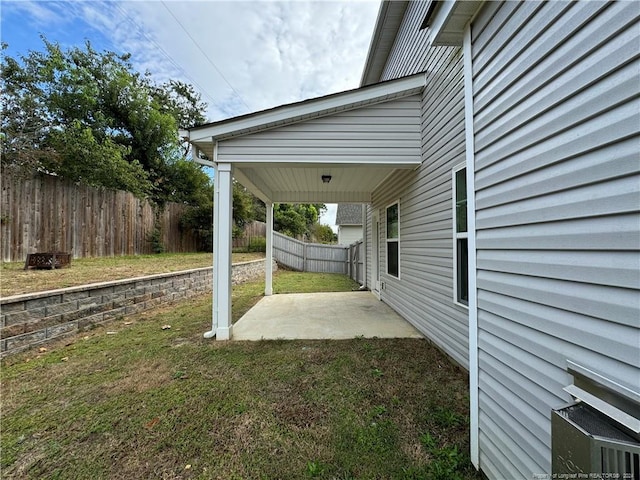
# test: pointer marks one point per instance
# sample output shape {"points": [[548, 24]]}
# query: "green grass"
{"points": [[132, 400], [14, 280]]}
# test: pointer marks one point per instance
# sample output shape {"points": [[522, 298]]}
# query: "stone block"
{"points": [[115, 313], [23, 317], [88, 322], [134, 292], [61, 308], [42, 302], [61, 329], [13, 307], [69, 297], [142, 298], [12, 331], [25, 339], [88, 302], [123, 287], [99, 292]]}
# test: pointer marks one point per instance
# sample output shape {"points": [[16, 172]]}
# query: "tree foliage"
{"points": [[90, 117], [296, 219], [324, 234]]}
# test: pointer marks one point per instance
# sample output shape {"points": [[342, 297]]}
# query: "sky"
{"points": [[242, 56]]}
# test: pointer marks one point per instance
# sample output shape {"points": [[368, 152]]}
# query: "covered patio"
{"points": [[334, 149], [316, 316]]}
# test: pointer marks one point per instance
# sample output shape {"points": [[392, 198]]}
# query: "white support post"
{"points": [[216, 219], [222, 282], [268, 265]]}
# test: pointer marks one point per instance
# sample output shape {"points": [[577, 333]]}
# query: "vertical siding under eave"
{"points": [[556, 124], [424, 293], [387, 130], [410, 53]]}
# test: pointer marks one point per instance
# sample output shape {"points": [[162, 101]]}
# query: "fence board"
{"points": [[45, 213]]}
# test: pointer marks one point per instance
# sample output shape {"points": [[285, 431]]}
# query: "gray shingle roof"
{"points": [[349, 214]]}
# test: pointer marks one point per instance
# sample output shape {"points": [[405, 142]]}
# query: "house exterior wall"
{"points": [[347, 234], [557, 182], [423, 294], [353, 136]]}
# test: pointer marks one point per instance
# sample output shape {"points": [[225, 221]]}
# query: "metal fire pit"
{"points": [[50, 260]]}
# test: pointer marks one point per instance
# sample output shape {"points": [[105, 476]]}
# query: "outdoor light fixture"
{"points": [[326, 178]]}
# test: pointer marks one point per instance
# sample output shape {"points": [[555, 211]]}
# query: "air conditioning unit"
{"points": [[586, 445]]}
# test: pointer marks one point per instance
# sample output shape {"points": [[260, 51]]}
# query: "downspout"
{"points": [[364, 246], [474, 409], [216, 221]]}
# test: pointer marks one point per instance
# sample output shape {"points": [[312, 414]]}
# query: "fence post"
{"points": [[304, 257]]}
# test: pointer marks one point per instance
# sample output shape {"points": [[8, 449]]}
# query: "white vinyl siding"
{"points": [[423, 295], [348, 234], [387, 131], [556, 120]]}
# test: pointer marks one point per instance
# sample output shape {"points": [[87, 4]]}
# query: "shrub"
{"points": [[257, 244]]}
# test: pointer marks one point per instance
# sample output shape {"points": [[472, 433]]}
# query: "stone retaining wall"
{"points": [[35, 318]]}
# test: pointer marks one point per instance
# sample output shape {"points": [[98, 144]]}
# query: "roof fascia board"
{"points": [[387, 24], [317, 107]]}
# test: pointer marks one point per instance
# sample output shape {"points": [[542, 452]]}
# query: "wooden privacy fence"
{"points": [[255, 229], [315, 257], [47, 214]]}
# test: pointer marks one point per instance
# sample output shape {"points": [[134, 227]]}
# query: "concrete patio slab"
{"points": [[321, 316]]}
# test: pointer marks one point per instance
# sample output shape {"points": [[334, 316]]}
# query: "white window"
{"points": [[460, 239], [393, 239]]}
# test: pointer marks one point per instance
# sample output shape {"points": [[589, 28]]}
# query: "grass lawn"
{"points": [[133, 400], [14, 280]]}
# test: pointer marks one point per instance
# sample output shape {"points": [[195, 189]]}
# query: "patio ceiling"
{"points": [[358, 138]]}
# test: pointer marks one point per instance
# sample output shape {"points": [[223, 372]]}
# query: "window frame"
{"points": [[388, 239], [457, 299]]}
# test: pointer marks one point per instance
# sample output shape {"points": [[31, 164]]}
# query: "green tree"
{"points": [[297, 219], [90, 117], [324, 234]]}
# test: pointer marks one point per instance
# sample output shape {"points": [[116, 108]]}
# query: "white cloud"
{"points": [[328, 217], [242, 55], [256, 54]]}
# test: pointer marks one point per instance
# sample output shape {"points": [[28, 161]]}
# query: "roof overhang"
{"points": [[447, 20], [390, 17], [270, 170], [308, 109]]}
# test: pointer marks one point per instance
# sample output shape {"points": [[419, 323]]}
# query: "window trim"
{"points": [[387, 239], [458, 235]]}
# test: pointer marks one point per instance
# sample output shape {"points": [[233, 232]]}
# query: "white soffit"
{"points": [[448, 20]]}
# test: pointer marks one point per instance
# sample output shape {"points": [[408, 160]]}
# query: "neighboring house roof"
{"points": [[349, 214]]}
